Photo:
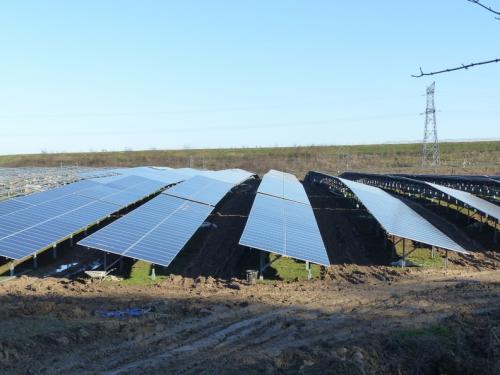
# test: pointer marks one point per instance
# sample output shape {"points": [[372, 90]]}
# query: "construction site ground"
{"points": [[359, 320]]}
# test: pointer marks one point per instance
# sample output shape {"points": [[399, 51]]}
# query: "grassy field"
{"points": [[456, 157]]}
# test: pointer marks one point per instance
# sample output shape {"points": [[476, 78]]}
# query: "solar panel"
{"points": [[155, 232], [45, 196], [201, 189], [99, 191], [42, 235], [11, 205], [146, 187], [488, 208], [166, 176], [125, 182], [232, 176], [283, 185], [284, 227], [59, 213], [398, 219]]}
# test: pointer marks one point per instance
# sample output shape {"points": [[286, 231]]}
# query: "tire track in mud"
{"points": [[270, 334], [226, 336]]}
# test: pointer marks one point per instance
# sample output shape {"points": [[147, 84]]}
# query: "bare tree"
{"points": [[485, 7], [464, 66]]}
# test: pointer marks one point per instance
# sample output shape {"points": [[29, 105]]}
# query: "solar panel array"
{"points": [[284, 226], [158, 230], [398, 219], [35, 222], [488, 208]]}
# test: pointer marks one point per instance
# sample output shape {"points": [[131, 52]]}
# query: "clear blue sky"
{"points": [[93, 74]]}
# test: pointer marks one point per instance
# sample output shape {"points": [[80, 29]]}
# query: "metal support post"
{"points": [[261, 265], [153, 272], [308, 268], [54, 252], [446, 261], [11, 268], [71, 241], [433, 252], [403, 261], [35, 262], [495, 230]]}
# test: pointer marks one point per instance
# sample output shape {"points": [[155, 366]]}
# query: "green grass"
{"points": [[140, 274], [421, 256], [444, 333], [288, 269]]}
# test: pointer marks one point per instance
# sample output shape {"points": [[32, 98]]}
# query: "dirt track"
{"points": [[415, 322]]}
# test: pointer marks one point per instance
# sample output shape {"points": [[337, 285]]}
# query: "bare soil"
{"points": [[412, 322]]}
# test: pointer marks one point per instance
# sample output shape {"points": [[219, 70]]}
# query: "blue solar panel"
{"points": [[42, 235], [284, 227], [58, 213], [126, 182], [12, 205], [146, 187], [399, 219], [48, 195], [201, 189], [283, 185], [154, 232], [123, 198], [98, 192]]}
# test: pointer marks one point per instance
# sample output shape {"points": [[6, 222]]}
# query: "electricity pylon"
{"points": [[430, 145]]}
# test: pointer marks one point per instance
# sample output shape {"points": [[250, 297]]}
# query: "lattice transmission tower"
{"points": [[430, 145]]}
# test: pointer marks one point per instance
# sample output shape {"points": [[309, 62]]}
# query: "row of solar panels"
{"points": [[32, 223], [158, 230], [281, 219], [490, 209]]}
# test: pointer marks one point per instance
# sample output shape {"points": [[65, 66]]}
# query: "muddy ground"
{"points": [[413, 322]]}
